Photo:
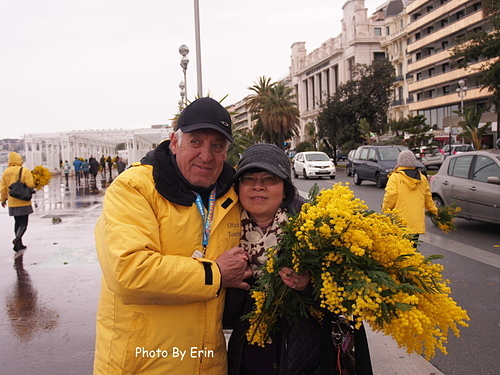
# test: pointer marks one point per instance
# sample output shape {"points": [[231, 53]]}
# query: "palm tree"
{"points": [[276, 113], [470, 125]]}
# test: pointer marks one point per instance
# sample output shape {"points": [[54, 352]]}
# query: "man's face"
{"points": [[200, 155]]}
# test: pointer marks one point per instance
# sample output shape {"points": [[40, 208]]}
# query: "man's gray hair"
{"points": [[179, 134]]}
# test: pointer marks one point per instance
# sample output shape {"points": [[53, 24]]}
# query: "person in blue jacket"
{"points": [[77, 164]]}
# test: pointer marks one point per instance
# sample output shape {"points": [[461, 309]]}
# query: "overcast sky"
{"points": [[115, 64]]}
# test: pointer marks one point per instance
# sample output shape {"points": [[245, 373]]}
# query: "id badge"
{"points": [[197, 254]]}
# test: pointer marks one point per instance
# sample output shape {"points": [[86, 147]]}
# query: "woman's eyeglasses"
{"points": [[265, 181]]}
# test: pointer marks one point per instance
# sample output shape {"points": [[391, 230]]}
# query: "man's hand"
{"points": [[3, 204], [234, 268]]}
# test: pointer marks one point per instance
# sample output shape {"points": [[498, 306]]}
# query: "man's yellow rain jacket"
{"points": [[160, 310]]}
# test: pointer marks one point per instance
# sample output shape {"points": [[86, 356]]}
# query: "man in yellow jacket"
{"points": [[167, 242], [408, 192]]}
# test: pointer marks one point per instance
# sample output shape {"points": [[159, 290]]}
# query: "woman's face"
{"points": [[261, 194]]}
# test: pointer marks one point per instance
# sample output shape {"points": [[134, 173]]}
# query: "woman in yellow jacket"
{"points": [[408, 192], [18, 208]]}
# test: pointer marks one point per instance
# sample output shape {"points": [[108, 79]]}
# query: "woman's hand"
{"points": [[293, 279]]}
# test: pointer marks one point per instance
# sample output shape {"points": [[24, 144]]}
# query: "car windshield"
{"points": [[317, 157], [463, 148], [390, 153]]}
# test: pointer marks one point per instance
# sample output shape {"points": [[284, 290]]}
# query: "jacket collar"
{"points": [[170, 183]]}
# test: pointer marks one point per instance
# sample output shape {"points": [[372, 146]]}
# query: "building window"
{"points": [[387, 30], [378, 31], [446, 90], [377, 56], [402, 23]]}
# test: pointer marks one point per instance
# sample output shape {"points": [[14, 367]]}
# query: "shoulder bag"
{"points": [[19, 189]]}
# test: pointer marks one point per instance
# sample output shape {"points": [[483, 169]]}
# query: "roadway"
{"points": [[472, 263]]}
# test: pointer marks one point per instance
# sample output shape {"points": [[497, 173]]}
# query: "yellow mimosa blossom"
{"points": [[363, 265]]}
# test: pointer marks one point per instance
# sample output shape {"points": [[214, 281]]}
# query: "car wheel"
{"points": [[379, 182], [438, 201], [357, 180], [348, 170], [295, 175], [305, 174], [332, 177]]}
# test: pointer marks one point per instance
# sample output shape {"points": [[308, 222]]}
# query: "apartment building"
{"points": [[316, 75], [437, 87], [394, 43]]}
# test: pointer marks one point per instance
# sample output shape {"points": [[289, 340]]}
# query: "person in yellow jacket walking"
{"points": [[408, 192], [168, 245], [18, 208]]}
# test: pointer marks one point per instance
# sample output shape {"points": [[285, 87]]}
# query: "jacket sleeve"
{"points": [[391, 194], [27, 178], [129, 249], [429, 202]]}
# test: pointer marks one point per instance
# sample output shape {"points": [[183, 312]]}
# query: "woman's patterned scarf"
{"points": [[256, 241]]}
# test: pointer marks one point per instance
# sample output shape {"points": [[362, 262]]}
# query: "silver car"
{"points": [[472, 181]]}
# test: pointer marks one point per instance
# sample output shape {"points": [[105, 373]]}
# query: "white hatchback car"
{"points": [[313, 164]]}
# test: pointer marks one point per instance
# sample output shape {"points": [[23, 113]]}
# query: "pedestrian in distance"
{"points": [[19, 209], [120, 165], [102, 163], [109, 161], [266, 193], [94, 167], [86, 169], [66, 169], [77, 164], [167, 242], [407, 191]]}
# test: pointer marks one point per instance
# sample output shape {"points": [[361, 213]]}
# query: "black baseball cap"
{"points": [[205, 113]]}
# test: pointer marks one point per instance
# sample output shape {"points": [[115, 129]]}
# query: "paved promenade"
{"points": [[49, 296]]}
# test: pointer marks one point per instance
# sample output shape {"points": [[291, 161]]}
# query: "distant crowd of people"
{"points": [[89, 168]]}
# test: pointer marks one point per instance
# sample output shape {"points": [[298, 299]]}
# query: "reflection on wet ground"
{"points": [[60, 196], [26, 314], [48, 297]]}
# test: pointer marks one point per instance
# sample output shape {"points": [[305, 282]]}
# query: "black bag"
{"points": [[351, 355], [19, 189]]}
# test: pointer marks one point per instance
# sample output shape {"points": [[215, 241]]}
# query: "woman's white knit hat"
{"points": [[407, 158]]}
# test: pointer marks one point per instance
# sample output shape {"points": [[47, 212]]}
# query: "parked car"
{"points": [[430, 155], [348, 166], [472, 181], [455, 149], [374, 163], [313, 164]]}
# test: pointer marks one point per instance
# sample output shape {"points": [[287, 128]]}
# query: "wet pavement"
{"points": [[48, 297]]}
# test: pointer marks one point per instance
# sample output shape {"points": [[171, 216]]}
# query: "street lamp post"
{"points": [[184, 50], [198, 46], [461, 91]]}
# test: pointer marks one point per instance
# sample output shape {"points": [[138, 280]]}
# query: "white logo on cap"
{"points": [[224, 124]]}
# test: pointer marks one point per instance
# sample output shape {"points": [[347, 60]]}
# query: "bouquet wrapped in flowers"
{"points": [[41, 176], [363, 265]]}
